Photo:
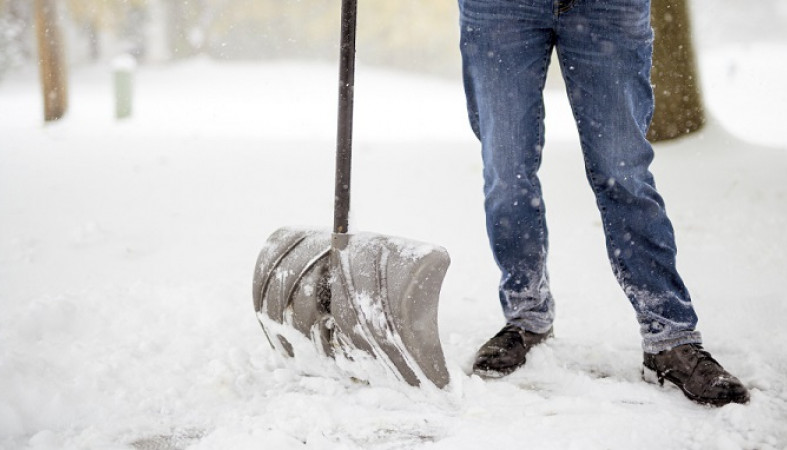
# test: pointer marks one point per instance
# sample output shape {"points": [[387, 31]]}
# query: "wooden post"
{"points": [[51, 61], [679, 108]]}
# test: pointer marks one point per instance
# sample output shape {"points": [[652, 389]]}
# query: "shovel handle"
{"points": [[345, 117]]}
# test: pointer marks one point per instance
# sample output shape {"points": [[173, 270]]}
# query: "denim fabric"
{"points": [[604, 48]]}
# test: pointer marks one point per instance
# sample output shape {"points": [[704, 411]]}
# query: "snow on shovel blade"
{"points": [[367, 292], [290, 286]]}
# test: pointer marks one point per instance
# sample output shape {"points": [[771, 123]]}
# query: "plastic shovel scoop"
{"points": [[353, 293]]}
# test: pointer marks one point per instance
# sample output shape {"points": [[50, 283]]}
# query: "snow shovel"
{"points": [[351, 293]]}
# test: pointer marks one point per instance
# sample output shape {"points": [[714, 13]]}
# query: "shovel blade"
{"points": [[366, 292]]}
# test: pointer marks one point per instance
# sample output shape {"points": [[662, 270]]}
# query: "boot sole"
{"points": [[492, 374]]}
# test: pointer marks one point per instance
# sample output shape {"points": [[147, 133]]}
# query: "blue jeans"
{"points": [[604, 48]]}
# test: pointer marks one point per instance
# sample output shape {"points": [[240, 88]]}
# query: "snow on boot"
{"points": [[506, 351], [696, 373]]}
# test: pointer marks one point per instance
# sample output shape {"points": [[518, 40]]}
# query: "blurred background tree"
{"points": [[51, 60], [679, 107]]}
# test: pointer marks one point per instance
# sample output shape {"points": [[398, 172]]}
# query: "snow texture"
{"points": [[127, 252]]}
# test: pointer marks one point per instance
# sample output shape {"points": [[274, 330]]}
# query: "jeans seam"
{"points": [[540, 139]]}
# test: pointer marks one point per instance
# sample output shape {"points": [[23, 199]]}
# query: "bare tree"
{"points": [[51, 60], [679, 108]]}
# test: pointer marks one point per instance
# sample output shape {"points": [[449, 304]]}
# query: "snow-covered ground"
{"points": [[127, 250]]}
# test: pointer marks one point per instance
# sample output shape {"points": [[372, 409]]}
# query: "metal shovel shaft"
{"points": [[345, 116]]}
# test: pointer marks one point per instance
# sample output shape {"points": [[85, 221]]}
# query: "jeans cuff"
{"points": [[538, 326], [659, 345]]}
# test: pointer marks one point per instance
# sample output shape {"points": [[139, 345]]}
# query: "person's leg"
{"points": [[605, 48], [506, 48]]}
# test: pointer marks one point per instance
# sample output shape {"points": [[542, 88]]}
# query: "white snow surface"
{"points": [[127, 251]]}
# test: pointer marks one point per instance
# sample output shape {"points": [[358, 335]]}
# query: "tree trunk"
{"points": [[679, 108], [51, 61]]}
